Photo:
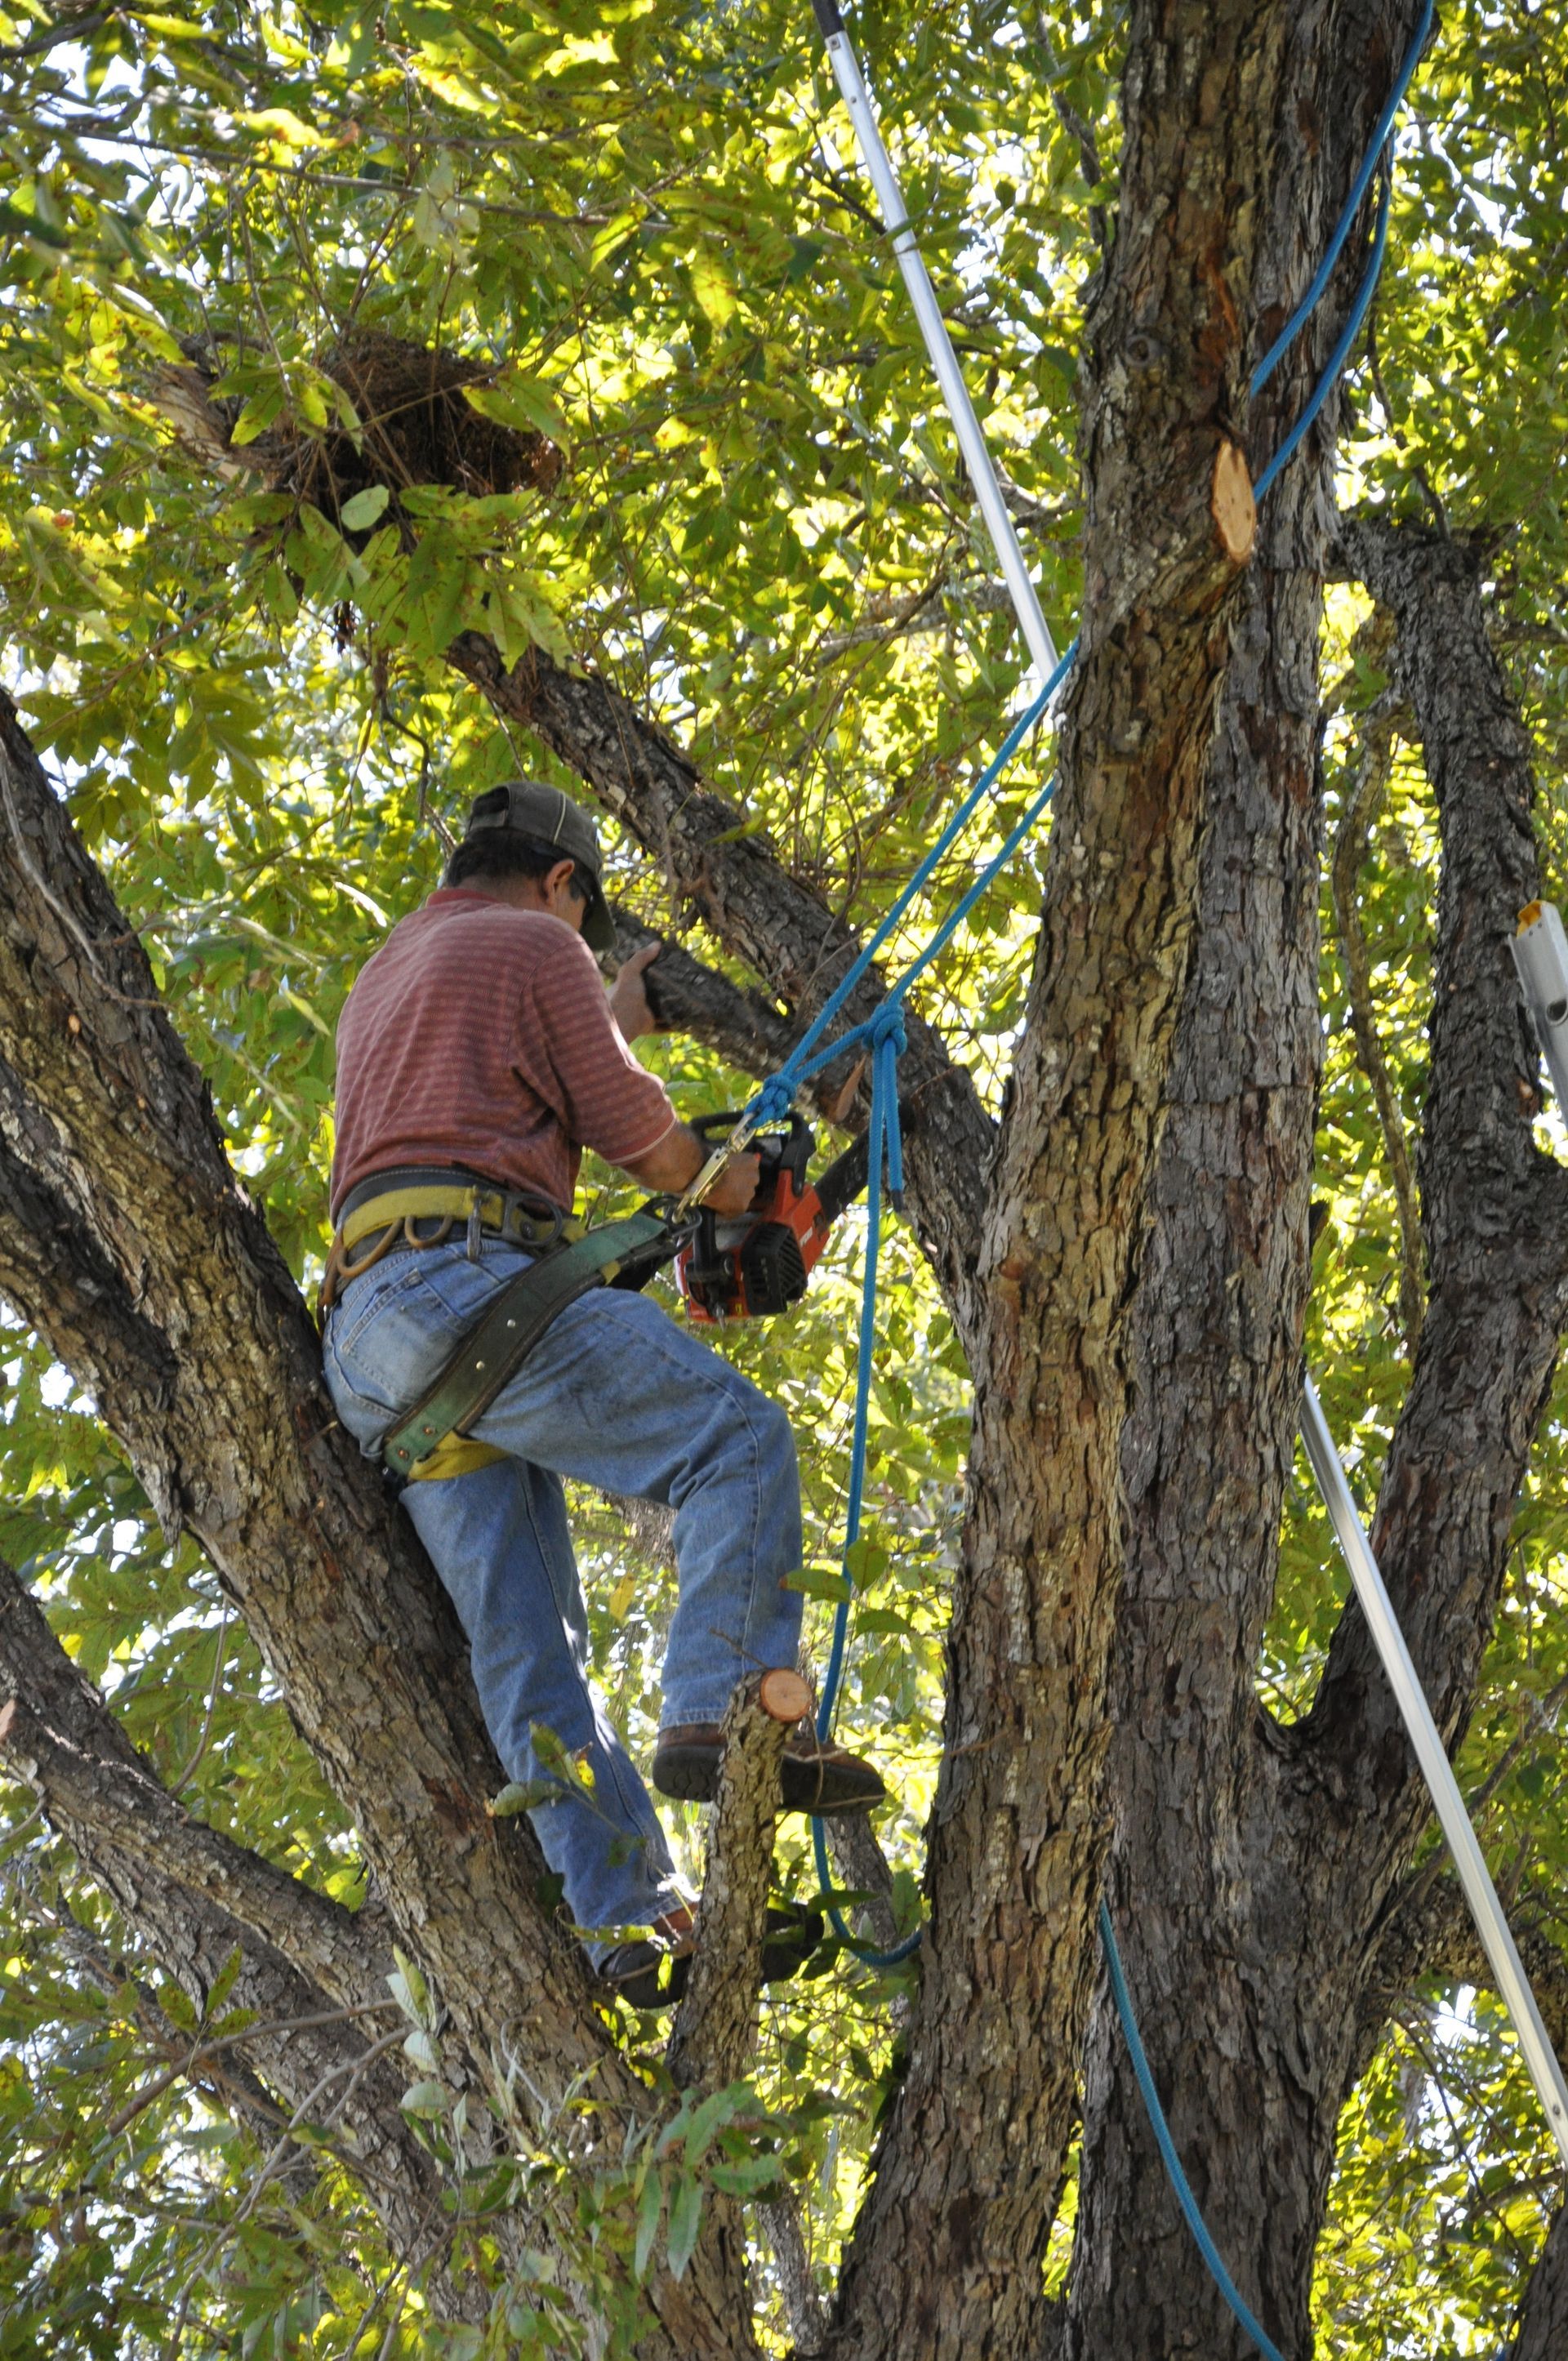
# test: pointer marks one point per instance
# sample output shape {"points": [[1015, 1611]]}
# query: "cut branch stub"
{"points": [[1231, 502], [784, 1695], [716, 2024]]}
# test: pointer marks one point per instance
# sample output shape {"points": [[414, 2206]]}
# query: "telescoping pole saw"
{"points": [[938, 343], [1513, 1984]]}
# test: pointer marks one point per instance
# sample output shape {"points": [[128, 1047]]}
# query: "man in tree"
{"points": [[477, 1055]]}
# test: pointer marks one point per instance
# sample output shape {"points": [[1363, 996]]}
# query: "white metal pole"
{"points": [[1513, 1984], [938, 343]]}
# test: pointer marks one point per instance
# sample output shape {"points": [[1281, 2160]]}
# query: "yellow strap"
{"points": [[416, 1205], [455, 1454], [426, 1204]]}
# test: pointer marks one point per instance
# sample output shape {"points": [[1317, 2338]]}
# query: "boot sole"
{"points": [[689, 1774]]}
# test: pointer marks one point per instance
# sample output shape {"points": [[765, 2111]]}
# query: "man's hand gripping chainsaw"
{"points": [[754, 1266]]}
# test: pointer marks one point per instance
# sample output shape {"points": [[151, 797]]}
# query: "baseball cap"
{"points": [[546, 816]]}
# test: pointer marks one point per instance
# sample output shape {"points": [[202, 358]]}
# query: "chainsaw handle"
{"points": [[788, 1151]]}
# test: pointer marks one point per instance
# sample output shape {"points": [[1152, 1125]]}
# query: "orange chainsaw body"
{"points": [[755, 1265]]}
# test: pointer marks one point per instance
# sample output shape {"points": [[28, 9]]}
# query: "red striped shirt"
{"points": [[480, 1035]]}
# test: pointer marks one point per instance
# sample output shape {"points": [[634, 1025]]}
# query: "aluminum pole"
{"points": [[938, 343], [1513, 1984]]}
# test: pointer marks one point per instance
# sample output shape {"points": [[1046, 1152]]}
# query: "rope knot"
{"points": [[887, 1028], [774, 1100]]}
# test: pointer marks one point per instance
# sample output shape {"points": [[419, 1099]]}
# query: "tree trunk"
{"points": [[948, 2255], [1256, 1867], [126, 1243], [1208, 1446]]}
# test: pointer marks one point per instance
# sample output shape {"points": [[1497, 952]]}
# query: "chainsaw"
{"points": [[754, 1265]]}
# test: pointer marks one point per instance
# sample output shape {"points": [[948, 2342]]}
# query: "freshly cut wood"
{"points": [[1232, 504], [784, 1695]]}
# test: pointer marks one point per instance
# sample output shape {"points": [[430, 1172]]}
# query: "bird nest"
{"points": [[415, 427]]}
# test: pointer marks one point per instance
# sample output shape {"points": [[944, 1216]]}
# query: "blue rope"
{"points": [[1167, 2145], [882, 1034], [1351, 206]]}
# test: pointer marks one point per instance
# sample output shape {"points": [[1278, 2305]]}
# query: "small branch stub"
{"points": [[784, 1695], [1231, 503], [715, 2026]]}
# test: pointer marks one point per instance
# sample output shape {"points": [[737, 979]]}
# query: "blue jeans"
{"points": [[617, 1395]]}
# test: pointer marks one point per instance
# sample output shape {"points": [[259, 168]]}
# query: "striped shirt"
{"points": [[479, 1035]]}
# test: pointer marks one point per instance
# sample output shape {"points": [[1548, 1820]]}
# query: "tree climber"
{"points": [[477, 1055]]}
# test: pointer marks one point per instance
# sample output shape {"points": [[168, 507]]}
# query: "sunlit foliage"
{"points": [[643, 223]]}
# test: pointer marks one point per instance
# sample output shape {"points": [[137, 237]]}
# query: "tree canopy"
{"points": [[340, 345]]}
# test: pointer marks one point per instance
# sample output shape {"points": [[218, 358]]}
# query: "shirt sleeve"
{"points": [[571, 1052]]}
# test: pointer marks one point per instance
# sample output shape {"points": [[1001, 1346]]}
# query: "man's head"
{"points": [[534, 833]]}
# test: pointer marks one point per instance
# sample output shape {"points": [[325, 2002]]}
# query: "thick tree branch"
{"points": [[94, 1787], [1495, 1223], [126, 1243], [1429, 1932], [684, 996], [716, 2025], [177, 1884]]}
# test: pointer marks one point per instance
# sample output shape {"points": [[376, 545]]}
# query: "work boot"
{"points": [[815, 1775], [654, 1973], [651, 1972]]}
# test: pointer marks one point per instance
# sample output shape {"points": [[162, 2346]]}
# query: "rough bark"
{"points": [[1217, 1329], [1269, 1960], [716, 2024], [1494, 1211], [176, 1885], [125, 1241], [947, 2256]]}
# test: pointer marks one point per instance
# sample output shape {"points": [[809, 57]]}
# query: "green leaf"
{"points": [[363, 509], [686, 2220], [650, 2207]]}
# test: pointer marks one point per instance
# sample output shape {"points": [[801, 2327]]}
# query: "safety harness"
{"points": [[419, 1208]]}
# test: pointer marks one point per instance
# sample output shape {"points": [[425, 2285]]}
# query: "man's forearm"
{"points": [[677, 1158]]}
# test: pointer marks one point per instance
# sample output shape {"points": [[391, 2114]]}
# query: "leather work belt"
{"points": [[419, 1208], [390, 1209]]}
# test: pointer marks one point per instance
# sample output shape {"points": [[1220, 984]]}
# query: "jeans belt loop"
{"points": [[472, 1240]]}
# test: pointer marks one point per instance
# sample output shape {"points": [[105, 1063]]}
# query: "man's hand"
{"points": [[680, 1156], [628, 996], [736, 1186]]}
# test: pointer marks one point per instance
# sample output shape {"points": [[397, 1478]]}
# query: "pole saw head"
{"points": [[756, 1265]]}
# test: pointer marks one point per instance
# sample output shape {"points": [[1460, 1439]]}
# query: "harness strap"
{"points": [[625, 1253], [388, 1218]]}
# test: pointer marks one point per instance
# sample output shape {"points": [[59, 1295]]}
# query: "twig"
{"points": [[272, 2031], [205, 1741], [1370, 785]]}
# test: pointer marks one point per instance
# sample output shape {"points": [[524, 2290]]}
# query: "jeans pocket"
{"points": [[393, 1344]]}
